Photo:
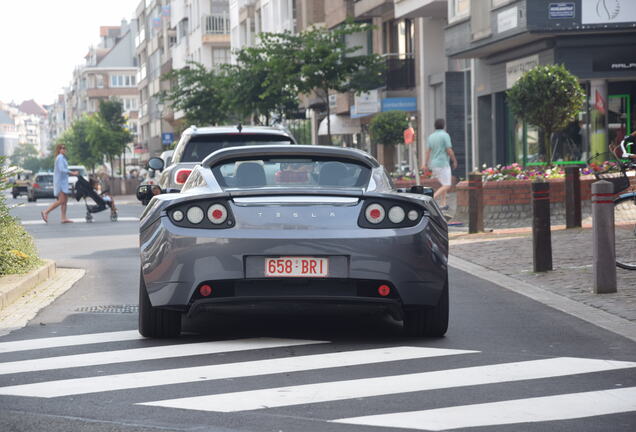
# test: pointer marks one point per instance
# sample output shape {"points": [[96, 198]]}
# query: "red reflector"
{"points": [[205, 290], [35, 185], [375, 213], [384, 290], [182, 176], [217, 214]]}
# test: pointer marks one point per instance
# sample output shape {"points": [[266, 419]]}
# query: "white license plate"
{"points": [[296, 267]]}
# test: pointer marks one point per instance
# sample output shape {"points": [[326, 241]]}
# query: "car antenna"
{"points": [[239, 127]]}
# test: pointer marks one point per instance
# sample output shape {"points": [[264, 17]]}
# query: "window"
{"points": [[99, 80], [220, 56], [292, 171], [127, 80], [129, 104], [458, 9], [479, 22]]}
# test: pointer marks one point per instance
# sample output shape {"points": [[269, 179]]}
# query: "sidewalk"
{"points": [[509, 252]]}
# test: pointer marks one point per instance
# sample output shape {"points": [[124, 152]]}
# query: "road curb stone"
{"points": [[14, 286]]}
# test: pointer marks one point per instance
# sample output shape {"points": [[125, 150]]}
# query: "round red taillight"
{"points": [[182, 176], [384, 290], [217, 213], [205, 290], [375, 213]]}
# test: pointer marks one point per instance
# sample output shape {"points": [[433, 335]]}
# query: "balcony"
{"points": [[400, 71], [216, 29], [372, 8]]}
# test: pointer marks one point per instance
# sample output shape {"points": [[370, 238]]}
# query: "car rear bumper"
{"points": [[177, 261]]}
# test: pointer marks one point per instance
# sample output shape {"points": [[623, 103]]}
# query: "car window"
{"points": [[291, 172], [199, 147], [47, 178]]}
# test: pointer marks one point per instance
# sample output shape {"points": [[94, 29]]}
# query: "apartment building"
{"points": [[248, 18], [153, 47], [109, 72], [593, 40], [8, 131], [56, 119], [31, 125]]}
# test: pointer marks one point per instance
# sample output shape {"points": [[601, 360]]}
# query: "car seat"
{"points": [[332, 174], [250, 174]]}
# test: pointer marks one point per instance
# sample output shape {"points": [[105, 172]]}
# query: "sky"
{"points": [[42, 41]]}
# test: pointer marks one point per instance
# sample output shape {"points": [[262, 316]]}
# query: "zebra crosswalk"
{"points": [[261, 362]]}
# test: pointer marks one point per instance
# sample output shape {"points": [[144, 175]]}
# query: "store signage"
{"points": [[367, 103], [561, 10], [167, 138], [516, 68], [613, 66], [399, 104], [507, 20], [607, 11]]}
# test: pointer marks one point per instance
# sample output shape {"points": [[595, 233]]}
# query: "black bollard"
{"points": [[541, 236], [475, 204], [572, 197]]}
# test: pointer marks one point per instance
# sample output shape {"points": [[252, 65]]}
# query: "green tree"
{"points": [[108, 135], [261, 86], [22, 153], [326, 63], [80, 148], [387, 129], [548, 97], [202, 95]]}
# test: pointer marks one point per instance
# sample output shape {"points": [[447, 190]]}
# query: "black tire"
{"points": [[14, 195], [155, 322], [29, 199], [625, 232], [427, 320]]}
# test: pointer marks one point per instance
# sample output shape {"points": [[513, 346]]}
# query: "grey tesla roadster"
{"points": [[302, 226]]}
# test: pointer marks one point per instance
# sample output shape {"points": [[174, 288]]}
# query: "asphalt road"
{"points": [[507, 363]]}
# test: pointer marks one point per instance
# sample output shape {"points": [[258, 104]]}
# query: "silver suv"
{"points": [[197, 143]]}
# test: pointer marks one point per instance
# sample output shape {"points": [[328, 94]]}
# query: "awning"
{"points": [[340, 125]]}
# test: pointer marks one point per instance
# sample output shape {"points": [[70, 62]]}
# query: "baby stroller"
{"points": [[84, 190]]}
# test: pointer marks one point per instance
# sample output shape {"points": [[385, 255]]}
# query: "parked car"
{"points": [[197, 143], [22, 183], [166, 156], [291, 226], [41, 186]]}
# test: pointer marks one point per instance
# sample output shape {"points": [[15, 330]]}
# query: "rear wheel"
{"points": [[428, 321], [625, 232], [155, 322]]}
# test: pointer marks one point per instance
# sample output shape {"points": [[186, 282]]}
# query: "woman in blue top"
{"points": [[60, 184]]}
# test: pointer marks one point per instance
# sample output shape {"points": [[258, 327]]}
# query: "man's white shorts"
{"points": [[443, 175]]}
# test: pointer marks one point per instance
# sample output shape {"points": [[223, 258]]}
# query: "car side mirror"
{"points": [[156, 164], [146, 192]]}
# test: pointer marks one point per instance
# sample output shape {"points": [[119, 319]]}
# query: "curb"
{"points": [[598, 317], [13, 287]]}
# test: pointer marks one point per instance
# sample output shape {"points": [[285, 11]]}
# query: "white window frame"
{"points": [[453, 16]]}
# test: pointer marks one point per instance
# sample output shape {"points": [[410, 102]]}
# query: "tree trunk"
{"points": [[389, 157], [548, 146], [328, 115]]}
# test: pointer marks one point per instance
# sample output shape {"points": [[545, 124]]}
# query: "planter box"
{"points": [[507, 204]]}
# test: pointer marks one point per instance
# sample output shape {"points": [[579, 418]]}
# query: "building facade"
{"points": [[109, 72], [595, 43]]}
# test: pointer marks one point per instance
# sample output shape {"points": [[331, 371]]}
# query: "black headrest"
{"points": [[332, 173], [250, 174]]}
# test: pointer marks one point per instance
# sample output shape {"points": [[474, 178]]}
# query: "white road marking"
{"points": [[531, 410], [223, 371], [63, 341], [81, 220], [149, 353], [358, 388]]}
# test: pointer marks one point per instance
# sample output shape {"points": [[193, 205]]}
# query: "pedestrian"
{"points": [[60, 184], [439, 157]]}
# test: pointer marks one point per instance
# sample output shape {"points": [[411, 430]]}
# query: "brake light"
{"points": [[375, 213], [35, 185], [217, 213], [182, 176]]}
